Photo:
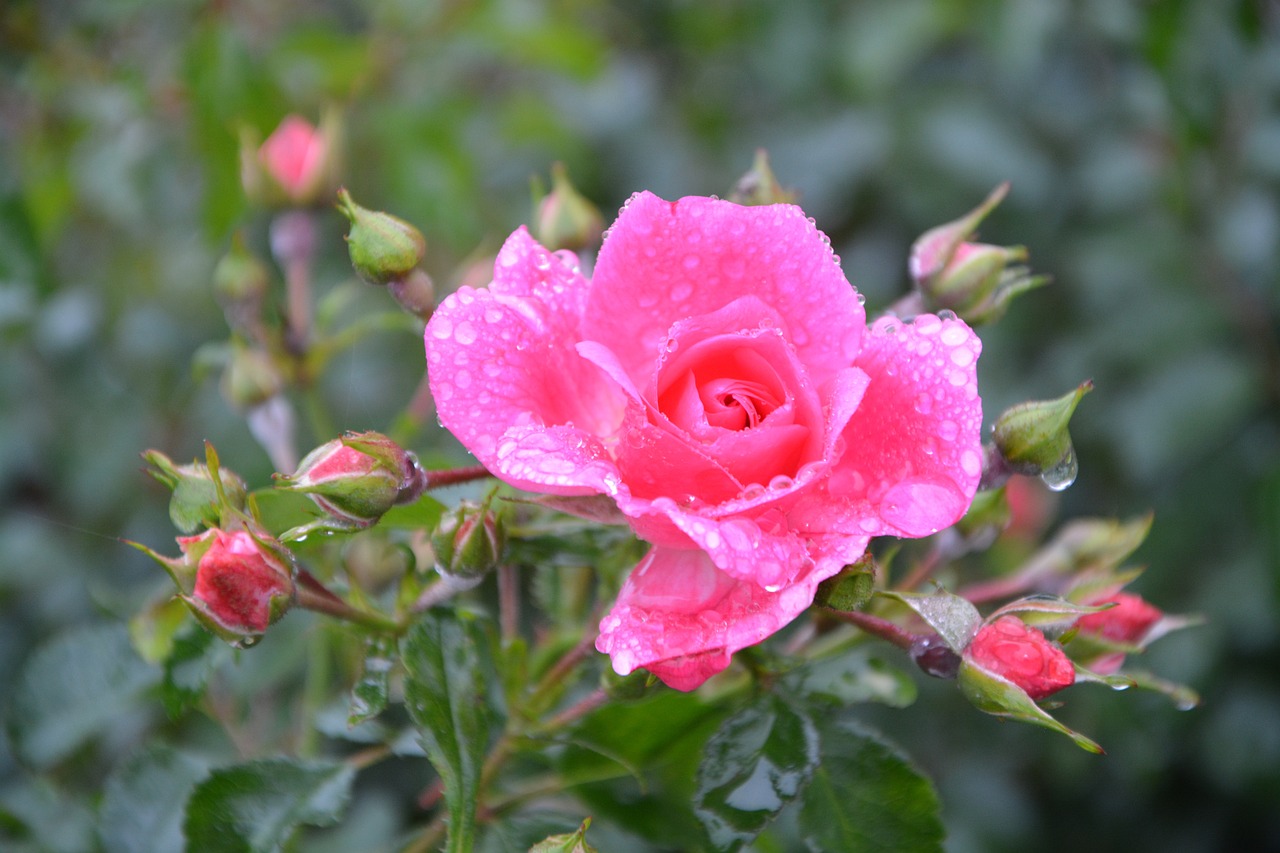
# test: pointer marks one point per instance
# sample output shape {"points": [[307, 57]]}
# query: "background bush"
{"points": [[1143, 143]]}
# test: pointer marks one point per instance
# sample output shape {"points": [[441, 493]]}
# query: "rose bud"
{"points": [[250, 377], [357, 478], [760, 185], [240, 282], [383, 248], [1127, 624], [976, 280], [234, 582], [195, 502], [469, 541], [1010, 649], [565, 219], [1033, 439], [295, 164]]}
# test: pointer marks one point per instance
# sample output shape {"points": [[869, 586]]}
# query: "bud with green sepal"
{"points": [[383, 248], [240, 284], [196, 501], [235, 582], [1032, 438], [469, 541], [357, 478], [564, 218], [296, 165], [250, 377], [975, 280], [760, 186], [851, 589]]}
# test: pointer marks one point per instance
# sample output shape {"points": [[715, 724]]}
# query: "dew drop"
{"points": [[1062, 475], [962, 357], [954, 336], [442, 327], [781, 483], [862, 299], [465, 333], [681, 291]]}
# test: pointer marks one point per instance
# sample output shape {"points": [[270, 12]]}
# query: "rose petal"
{"points": [[664, 261], [914, 451], [509, 383], [680, 618]]}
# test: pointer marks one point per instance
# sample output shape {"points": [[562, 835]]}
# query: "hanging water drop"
{"points": [[1063, 474]]}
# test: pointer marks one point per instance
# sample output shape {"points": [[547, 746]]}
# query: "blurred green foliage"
{"points": [[1142, 140]]}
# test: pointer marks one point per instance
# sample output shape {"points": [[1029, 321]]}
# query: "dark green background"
{"points": [[1143, 143]]}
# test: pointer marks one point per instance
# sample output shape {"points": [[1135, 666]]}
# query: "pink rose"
{"points": [[1018, 653], [295, 155], [717, 379]]}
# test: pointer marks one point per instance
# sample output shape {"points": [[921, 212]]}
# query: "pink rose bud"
{"points": [[357, 478], [1020, 654], [242, 585], [294, 156], [565, 218], [1127, 623], [975, 280], [469, 541], [195, 502], [235, 583]]}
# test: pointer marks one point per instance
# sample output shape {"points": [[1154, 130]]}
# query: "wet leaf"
{"points": [[756, 763]]}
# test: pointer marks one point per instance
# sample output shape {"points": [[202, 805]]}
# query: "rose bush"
{"points": [[717, 379]]}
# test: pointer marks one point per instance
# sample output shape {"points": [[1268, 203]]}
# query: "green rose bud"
{"points": [[469, 541], [1032, 437], [383, 248]]}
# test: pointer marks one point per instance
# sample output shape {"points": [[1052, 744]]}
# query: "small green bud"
{"points": [[195, 502], [383, 248], [760, 185], [851, 589], [1033, 438], [564, 218], [251, 377], [469, 541], [240, 282]]}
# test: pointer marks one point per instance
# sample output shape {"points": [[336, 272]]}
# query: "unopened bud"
{"points": [[760, 185], [295, 165], [357, 478], [975, 280], [565, 219], [240, 282], [469, 541], [235, 583], [1033, 438], [250, 377], [194, 502], [1011, 650], [383, 247], [851, 589]]}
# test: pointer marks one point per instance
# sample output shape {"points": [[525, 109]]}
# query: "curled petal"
{"points": [[509, 382], [680, 618]]}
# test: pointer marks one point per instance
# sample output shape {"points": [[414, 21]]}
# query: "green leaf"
{"points": [[255, 807], [153, 629], [369, 696], [445, 695], [143, 799], [757, 762], [194, 657], [866, 796], [74, 686], [856, 675], [954, 618], [1051, 615], [995, 695]]}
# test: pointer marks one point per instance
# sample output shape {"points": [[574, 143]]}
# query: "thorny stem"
{"points": [[456, 476], [313, 595], [882, 628]]}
